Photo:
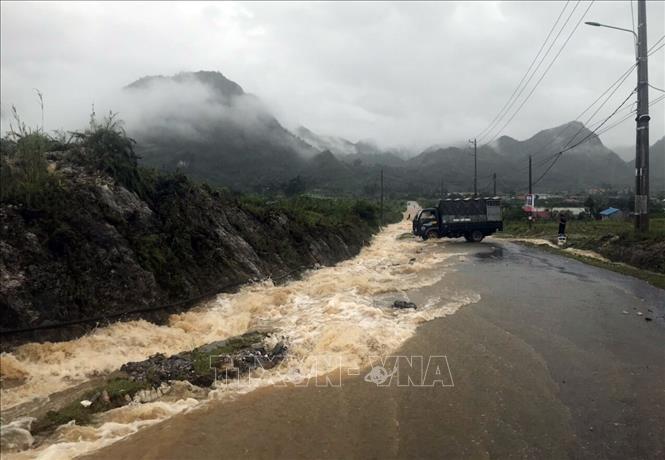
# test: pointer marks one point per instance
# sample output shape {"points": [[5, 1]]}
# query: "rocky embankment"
{"points": [[190, 374], [87, 245]]}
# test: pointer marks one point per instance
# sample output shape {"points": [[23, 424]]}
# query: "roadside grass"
{"points": [[630, 253], [655, 279], [583, 229]]}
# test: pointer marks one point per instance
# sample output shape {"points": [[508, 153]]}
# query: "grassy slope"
{"points": [[641, 256]]}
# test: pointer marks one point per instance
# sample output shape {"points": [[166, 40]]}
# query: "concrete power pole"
{"points": [[494, 182], [475, 166], [530, 193], [642, 137], [382, 197]]}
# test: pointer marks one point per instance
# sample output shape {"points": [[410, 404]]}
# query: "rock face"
{"points": [[403, 304], [94, 248], [223, 360]]}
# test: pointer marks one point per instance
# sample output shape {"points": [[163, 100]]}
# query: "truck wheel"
{"points": [[431, 234], [477, 236]]}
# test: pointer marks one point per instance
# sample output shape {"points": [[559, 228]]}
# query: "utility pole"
{"points": [[533, 202], [642, 137], [494, 181], [530, 185], [475, 166], [382, 197]]}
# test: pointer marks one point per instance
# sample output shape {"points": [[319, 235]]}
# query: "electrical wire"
{"points": [[500, 114], [654, 51], [533, 74], [655, 43], [588, 136], [563, 46], [629, 116], [618, 83]]}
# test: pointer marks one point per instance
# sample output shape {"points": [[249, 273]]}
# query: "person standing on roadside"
{"points": [[562, 224]]}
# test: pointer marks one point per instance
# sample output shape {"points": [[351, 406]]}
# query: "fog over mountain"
{"points": [[205, 125], [403, 74]]}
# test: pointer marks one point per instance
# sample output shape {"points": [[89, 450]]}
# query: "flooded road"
{"points": [[332, 318], [534, 356], [554, 360]]}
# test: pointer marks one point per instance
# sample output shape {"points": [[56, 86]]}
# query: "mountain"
{"points": [[590, 164], [206, 126], [656, 167], [626, 152], [361, 152], [336, 145]]}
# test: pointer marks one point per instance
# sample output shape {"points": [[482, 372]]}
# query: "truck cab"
{"points": [[472, 218], [426, 221]]}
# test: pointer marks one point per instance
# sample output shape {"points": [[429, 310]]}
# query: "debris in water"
{"points": [[624, 312], [639, 313], [646, 318], [404, 304], [86, 403]]}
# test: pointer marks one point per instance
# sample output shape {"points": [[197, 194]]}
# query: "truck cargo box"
{"points": [[470, 210]]}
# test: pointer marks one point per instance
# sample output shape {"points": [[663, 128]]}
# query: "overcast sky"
{"points": [[410, 74]]}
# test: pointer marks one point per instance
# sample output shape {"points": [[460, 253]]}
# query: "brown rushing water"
{"points": [[545, 365], [340, 312]]}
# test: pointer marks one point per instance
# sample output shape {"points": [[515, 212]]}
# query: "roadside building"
{"points": [[537, 213], [573, 211], [611, 213]]}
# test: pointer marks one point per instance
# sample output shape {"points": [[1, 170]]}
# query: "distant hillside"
{"points": [[656, 167], [206, 126], [361, 152], [213, 130], [336, 145]]}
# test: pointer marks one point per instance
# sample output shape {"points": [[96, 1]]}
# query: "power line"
{"points": [[628, 116], [563, 46], [588, 136], [607, 99], [657, 89], [500, 114], [616, 84], [535, 71], [652, 52], [655, 43]]}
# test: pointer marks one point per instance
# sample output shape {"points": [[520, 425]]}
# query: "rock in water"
{"points": [[404, 304], [15, 436]]}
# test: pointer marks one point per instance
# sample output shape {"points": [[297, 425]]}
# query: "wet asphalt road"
{"points": [[545, 365]]}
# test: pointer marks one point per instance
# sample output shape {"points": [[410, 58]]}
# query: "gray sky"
{"points": [[409, 74]]}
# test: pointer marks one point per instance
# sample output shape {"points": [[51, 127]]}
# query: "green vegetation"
{"points": [[313, 211], [113, 394], [640, 255], [582, 230], [655, 279], [119, 390], [92, 249]]}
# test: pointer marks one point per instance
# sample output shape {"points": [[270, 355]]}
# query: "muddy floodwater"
{"points": [[532, 356]]}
